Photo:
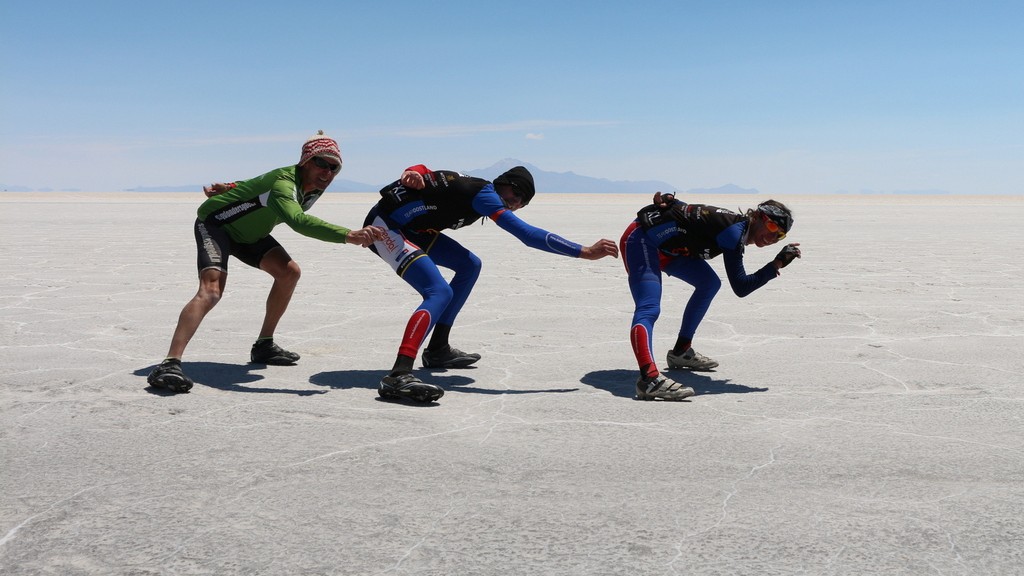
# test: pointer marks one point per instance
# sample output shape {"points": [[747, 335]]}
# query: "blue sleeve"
{"points": [[488, 203], [732, 237], [730, 241]]}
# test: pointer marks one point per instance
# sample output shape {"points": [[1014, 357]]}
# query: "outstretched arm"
{"points": [[283, 204], [549, 242], [744, 284]]}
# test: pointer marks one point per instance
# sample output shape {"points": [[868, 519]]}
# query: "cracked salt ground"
{"points": [[865, 418]]}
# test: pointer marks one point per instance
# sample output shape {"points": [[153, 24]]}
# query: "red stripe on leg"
{"points": [[638, 338], [415, 331]]}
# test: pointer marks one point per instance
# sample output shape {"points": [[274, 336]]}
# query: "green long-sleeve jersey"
{"points": [[253, 208]]}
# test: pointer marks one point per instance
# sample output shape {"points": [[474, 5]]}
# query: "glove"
{"points": [[788, 254]]}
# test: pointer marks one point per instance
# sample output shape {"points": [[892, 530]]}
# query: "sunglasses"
{"points": [[325, 165], [773, 227], [519, 194]]}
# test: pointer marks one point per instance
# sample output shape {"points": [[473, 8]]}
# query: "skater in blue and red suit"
{"points": [[676, 238], [415, 210]]}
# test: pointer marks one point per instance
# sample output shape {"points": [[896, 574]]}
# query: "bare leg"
{"points": [[211, 287], [286, 274]]}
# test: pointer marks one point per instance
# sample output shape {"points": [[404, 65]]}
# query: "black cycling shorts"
{"points": [[214, 245]]}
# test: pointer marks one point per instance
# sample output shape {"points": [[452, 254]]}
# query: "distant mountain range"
{"points": [[571, 182], [546, 181], [555, 182], [339, 185]]}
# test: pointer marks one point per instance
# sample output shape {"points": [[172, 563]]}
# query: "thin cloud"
{"points": [[121, 144], [531, 127], [527, 125]]}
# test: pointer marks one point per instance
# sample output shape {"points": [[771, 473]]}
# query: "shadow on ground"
{"points": [[227, 377], [623, 382], [346, 379]]}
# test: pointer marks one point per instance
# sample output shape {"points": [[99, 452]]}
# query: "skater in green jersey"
{"points": [[237, 220]]}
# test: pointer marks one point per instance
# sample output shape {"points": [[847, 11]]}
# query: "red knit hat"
{"points": [[320, 145]]}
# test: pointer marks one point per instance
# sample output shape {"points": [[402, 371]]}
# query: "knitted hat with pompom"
{"points": [[322, 146]]}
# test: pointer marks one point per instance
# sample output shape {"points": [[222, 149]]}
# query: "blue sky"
{"points": [[787, 97]]}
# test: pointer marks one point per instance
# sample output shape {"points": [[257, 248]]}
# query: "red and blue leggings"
{"points": [[644, 265]]}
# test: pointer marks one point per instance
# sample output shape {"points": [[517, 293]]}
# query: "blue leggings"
{"points": [[644, 265], [442, 301]]}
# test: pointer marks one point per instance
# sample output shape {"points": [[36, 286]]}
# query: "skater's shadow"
{"points": [[227, 377], [348, 379], [623, 382], [370, 379]]}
